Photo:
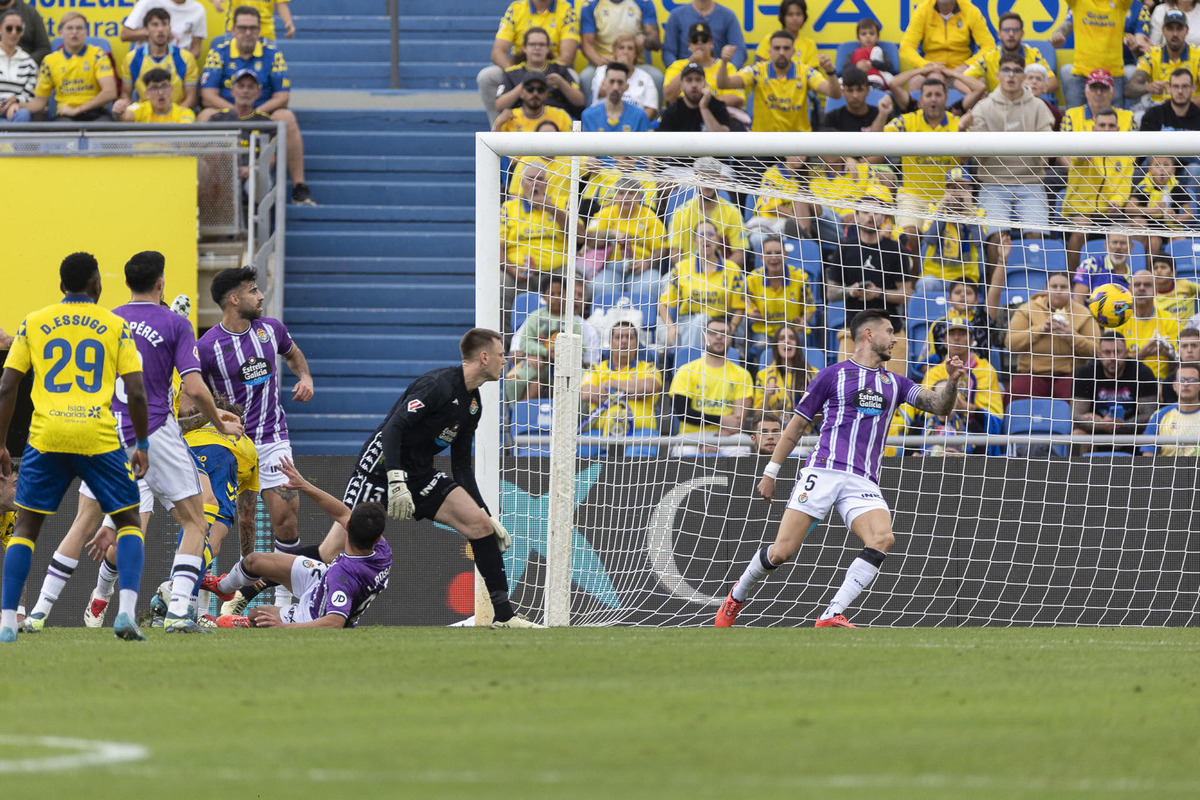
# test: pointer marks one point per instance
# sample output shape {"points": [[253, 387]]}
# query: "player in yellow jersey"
{"points": [[158, 106], [780, 86], [75, 350]]}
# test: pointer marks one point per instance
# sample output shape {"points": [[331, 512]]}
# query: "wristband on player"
{"points": [[397, 475], [143, 444], [771, 471]]}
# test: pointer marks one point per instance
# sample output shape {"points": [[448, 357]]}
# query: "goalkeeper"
{"points": [[440, 409]]}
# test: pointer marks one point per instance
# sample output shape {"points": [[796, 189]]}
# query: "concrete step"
{"points": [[400, 319], [378, 143], [340, 398], [371, 167], [309, 268], [350, 423], [321, 51], [340, 75], [328, 444], [394, 120], [378, 300], [354, 26], [478, 24], [363, 8], [381, 367], [433, 347], [443, 76], [347, 193], [461, 216], [411, 243]]}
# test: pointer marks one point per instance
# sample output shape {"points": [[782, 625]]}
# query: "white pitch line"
{"points": [[88, 753]]}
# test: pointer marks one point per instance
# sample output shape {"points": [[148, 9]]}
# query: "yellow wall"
{"points": [[109, 207]]}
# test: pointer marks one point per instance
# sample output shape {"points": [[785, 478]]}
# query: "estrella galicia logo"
{"points": [[869, 402], [254, 371]]}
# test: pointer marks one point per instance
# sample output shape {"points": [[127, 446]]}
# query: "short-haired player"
{"points": [[855, 401]]}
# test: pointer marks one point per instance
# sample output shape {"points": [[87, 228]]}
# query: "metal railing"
{"points": [[220, 151]]}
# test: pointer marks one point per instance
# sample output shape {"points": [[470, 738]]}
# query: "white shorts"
{"points": [[306, 578], [818, 490], [172, 473], [269, 456], [145, 502]]}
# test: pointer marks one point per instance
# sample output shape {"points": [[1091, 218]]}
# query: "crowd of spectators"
{"points": [[731, 321], [159, 80]]}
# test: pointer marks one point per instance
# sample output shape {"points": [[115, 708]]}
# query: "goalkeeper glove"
{"points": [[400, 502], [503, 540]]}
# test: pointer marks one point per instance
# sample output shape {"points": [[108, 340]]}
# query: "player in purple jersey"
{"points": [[331, 595], [855, 400], [165, 345], [240, 360]]}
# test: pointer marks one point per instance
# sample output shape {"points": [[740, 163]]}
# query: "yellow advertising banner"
{"points": [[109, 207]]}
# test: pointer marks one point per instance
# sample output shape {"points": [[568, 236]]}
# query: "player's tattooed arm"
{"points": [[247, 504], [940, 402]]}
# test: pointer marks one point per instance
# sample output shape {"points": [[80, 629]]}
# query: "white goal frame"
{"points": [[491, 147]]}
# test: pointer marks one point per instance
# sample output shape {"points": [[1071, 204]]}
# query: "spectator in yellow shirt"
{"points": [[781, 383], [708, 206], [777, 296], [945, 30], [534, 229], [79, 75], [712, 394], [1154, 69], [1150, 333], [701, 286], [555, 16], [158, 106], [780, 86], [622, 391], [700, 47], [634, 239], [985, 64], [158, 51], [1099, 27], [1097, 186], [1175, 297], [793, 15], [532, 109]]}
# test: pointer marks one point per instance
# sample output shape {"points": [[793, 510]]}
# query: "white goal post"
{"points": [[992, 540]]}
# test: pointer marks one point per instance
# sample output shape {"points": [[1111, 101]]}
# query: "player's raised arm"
{"points": [[332, 507], [796, 427], [303, 390]]}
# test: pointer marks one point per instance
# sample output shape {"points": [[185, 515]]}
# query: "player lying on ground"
{"points": [[331, 596], [855, 400]]}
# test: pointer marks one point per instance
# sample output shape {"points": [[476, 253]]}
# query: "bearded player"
{"points": [[856, 400]]}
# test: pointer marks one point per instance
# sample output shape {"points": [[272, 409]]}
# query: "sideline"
{"points": [[88, 753]]}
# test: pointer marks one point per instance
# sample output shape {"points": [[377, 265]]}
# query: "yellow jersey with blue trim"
{"points": [[985, 65], [1159, 66], [559, 20], [780, 99], [266, 12], [1079, 118], [144, 112], [788, 301], [711, 390], [180, 63], [721, 213], [520, 123], [619, 415], [924, 176], [720, 292], [242, 448], [778, 388], [8, 520], [1099, 31], [1172, 421], [76, 350], [73, 79]]}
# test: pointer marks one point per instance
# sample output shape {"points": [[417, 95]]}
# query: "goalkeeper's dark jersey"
{"points": [[434, 413]]}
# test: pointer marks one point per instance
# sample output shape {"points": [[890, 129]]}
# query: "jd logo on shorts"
{"points": [[255, 370], [869, 402]]}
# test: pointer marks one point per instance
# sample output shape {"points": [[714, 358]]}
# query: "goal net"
{"points": [[666, 299]]}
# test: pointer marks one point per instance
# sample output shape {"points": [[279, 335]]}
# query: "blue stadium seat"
{"points": [[806, 255], [648, 305], [890, 49], [834, 103], [1186, 253], [91, 40], [524, 305], [1039, 416], [1097, 248], [532, 417], [922, 310]]}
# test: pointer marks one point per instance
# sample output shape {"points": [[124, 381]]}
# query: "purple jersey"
{"points": [[245, 368], [165, 343], [857, 404], [351, 583]]}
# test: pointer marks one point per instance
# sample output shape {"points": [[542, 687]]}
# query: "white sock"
{"points": [[283, 597], [859, 575], [8, 618], [236, 579], [759, 567], [106, 581], [57, 574], [185, 572], [128, 603]]}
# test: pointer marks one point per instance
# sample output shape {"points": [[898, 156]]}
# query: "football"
{"points": [[1110, 304]]}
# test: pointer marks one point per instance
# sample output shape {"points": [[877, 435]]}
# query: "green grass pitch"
{"points": [[623, 713]]}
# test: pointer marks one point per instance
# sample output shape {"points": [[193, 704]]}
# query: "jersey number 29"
{"points": [[89, 361]]}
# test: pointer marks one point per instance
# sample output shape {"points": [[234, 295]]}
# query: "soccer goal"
{"points": [[666, 298]]}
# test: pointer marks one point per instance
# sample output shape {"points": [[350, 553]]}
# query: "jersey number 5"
{"points": [[88, 358]]}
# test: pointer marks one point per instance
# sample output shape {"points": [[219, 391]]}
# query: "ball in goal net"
{"points": [[666, 298]]}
